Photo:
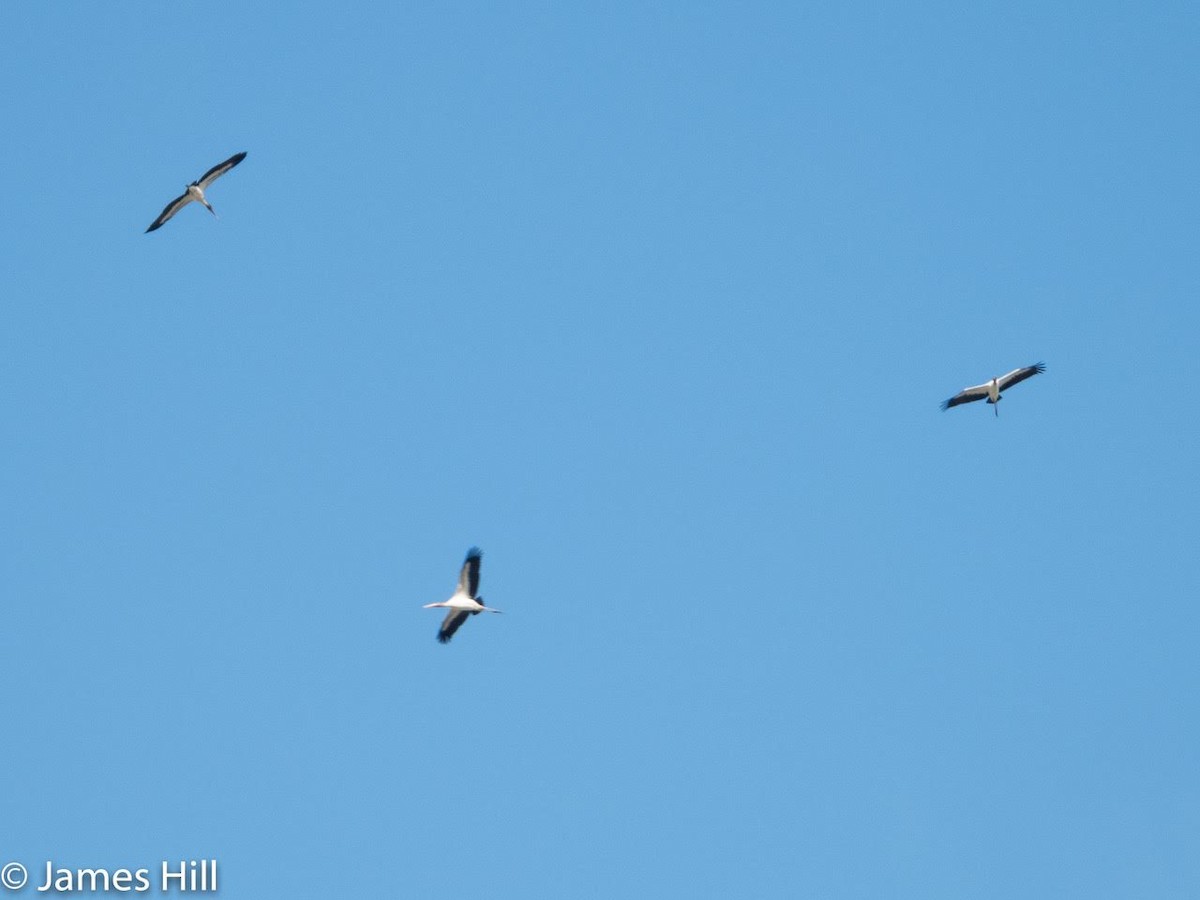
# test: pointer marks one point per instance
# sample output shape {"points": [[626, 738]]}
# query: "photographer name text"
{"points": [[183, 876]]}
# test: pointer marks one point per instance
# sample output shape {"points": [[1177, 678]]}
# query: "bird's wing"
{"points": [[173, 207], [468, 578], [1018, 375], [451, 624], [219, 169], [966, 395]]}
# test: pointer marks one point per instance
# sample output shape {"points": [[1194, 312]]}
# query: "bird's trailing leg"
{"points": [[208, 206]]}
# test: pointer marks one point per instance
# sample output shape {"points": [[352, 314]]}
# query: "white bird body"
{"points": [[465, 601], [460, 601], [196, 193], [991, 389]]}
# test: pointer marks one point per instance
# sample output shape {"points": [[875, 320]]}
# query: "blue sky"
{"points": [[655, 303]]}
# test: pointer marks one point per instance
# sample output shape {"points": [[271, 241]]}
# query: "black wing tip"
{"points": [[237, 158], [154, 227], [944, 405], [474, 553], [443, 638], [959, 400], [1039, 367]]}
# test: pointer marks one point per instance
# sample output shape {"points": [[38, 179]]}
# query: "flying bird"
{"points": [[195, 191], [992, 389], [465, 601]]}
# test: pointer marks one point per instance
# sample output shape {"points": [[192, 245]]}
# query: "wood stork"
{"points": [[465, 601], [991, 389], [195, 191]]}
